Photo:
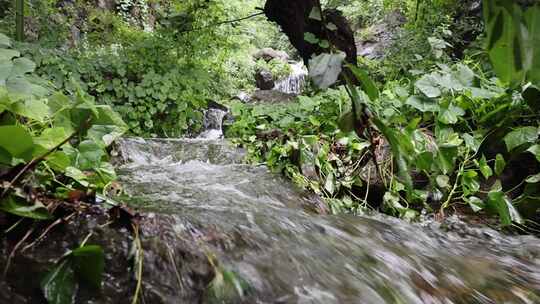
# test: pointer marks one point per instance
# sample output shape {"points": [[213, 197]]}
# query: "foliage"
{"points": [[86, 263], [277, 67], [65, 137]]}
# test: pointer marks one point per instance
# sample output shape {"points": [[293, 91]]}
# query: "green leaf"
{"points": [[51, 138], [59, 284], [470, 182], [535, 150], [89, 263], [6, 54], [499, 202], [422, 104], [449, 115], [365, 81], [35, 109], [58, 161], [22, 66], [18, 206], [324, 69], [330, 183], [5, 71], [533, 179], [446, 158], [485, 169], [475, 203], [315, 14], [21, 147], [4, 41], [428, 85], [500, 164], [443, 181], [77, 175], [521, 136], [90, 156], [104, 135], [531, 19], [311, 38]]}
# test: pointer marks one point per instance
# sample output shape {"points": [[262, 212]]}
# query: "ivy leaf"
{"points": [[475, 203], [535, 150], [89, 263], [485, 169], [499, 202], [324, 69], [470, 182], [331, 26], [21, 208], [520, 136], [51, 137], [311, 38], [59, 285], [500, 164]]}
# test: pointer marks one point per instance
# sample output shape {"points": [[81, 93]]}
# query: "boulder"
{"points": [[271, 96], [268, 54], [380, 36], [264, 80]]}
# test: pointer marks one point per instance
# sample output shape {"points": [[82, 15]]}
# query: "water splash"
{"points": [[213, 124], [253, 223], [295, 82]]}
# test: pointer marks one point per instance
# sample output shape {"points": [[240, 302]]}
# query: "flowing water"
{"points": [[256, 225], [294, 83]]}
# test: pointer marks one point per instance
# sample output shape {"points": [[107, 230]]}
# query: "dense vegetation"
{"points": [[445, 120]]}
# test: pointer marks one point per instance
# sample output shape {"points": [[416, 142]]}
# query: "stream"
{"points": [[259, 226]]}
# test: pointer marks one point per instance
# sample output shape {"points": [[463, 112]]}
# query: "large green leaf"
{"points": [[32, 108], [423, 104], [324, 69], [428, 85], [521, 136], [18, 206], [505, 46], [450, 114], [89, 263], [17, 141], [90, 156], [51, 137], [59, 284], [532, 21], [22, 66], [365, 81], [4, 41], [6, 54], [499, 202], [5, 70]]}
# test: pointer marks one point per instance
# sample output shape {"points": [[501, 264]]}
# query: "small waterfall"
{"points": [[213, 123], [294, 83]]}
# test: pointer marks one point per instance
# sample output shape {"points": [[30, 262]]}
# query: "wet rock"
{"points": [[264, 80], [271, 96], [380, 36], [242, 96], [267, 54]]}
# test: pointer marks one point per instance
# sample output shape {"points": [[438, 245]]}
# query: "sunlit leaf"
{"points": [[502, 204], [500, 164], [535, 150]]}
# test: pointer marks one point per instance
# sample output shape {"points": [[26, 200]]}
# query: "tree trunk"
{"points": [[293, 17]]}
